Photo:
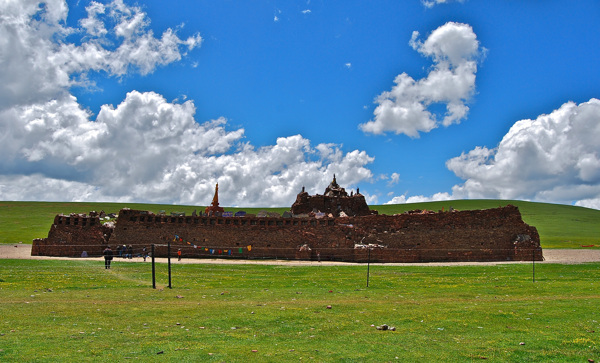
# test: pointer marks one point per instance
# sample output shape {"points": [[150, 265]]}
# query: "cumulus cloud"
{"points": [[405, 109], [554, 158], [146, 149], [39, 63]]}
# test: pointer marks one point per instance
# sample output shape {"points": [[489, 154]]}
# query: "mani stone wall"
{"points": [[354, 205], [480, 235], [70, 235], [334, 201]]}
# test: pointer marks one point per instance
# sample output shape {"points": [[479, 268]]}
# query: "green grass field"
{"points": [[560, 226], [78, 311]]}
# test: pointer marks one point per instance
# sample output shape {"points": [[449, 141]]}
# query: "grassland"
{"points": [[560, 226], [78, 311]]}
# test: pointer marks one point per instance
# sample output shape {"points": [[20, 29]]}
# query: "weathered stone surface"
{"points": [[479, 235], [71, 235], [335, 200]]}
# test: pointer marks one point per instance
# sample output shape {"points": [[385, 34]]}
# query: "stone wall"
{"points": [[481, 235], [70, 235]]}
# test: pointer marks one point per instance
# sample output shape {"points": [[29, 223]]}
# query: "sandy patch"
{"points": [[562, 256]]}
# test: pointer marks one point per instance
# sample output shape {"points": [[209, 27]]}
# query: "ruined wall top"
{"points": [[335, 201]]}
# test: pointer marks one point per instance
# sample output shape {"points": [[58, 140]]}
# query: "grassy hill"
{"points": [[560, 226]]}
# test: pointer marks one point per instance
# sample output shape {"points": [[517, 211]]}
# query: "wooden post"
{"points": [[368, 266], [169, 261], [153, 269]]}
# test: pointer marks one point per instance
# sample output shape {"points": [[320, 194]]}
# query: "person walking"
{"points": [[179, 254], [144, 253], [108, 256], [130, 252]]}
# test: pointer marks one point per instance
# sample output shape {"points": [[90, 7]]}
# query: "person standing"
{"points": [[108, 256], [130, 252], [179, 254], [144, 253]]}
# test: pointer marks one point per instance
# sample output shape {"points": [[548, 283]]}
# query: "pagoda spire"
{"points": [[215, 201], [214, 206]]}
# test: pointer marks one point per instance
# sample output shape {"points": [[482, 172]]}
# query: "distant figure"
{"points": [[108, 256], [130, 252], [144, 253], [84, 254], [319, 256], [124, 251], [179, 254]]}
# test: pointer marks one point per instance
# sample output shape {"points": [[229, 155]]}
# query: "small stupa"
{"points": [[214, 208]]}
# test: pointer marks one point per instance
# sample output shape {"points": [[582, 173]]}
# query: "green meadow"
{"points": [[75, 310], [78, 311], [559, 226]]}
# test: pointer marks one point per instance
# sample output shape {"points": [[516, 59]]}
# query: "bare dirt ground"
{"points": [[562, 256]]}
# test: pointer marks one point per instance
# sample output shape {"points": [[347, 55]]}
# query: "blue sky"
{"points": [[126, 101]]}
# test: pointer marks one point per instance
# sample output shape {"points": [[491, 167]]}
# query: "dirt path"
{"points": [[564, 256]]}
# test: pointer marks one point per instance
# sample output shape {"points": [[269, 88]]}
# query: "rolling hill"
{"points": [[559, 226]]}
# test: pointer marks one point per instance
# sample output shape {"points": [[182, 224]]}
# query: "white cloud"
{"points": [[307, 11], [145, 149], [554, 158], [454, 49], [432, 3], [40, 64], [92, 25], [394, 179], [402, 199]]}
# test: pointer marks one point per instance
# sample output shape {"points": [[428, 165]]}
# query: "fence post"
{"points": [[533, 263], [368, 266], [169, 261], [153, 269]]}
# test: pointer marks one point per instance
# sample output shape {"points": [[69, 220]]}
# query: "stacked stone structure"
{"points": [[70, 235], [479, 235], [334, 201]]}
